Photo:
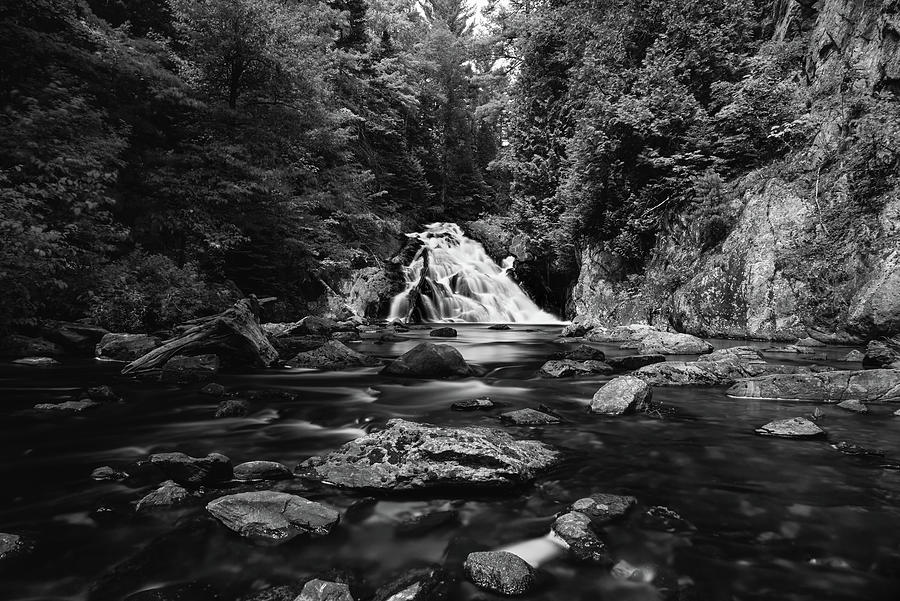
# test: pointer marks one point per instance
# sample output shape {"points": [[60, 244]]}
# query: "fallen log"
{"points": [[234, 335]]}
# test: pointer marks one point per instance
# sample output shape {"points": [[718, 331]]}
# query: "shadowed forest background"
{"points": [[162, 158]]}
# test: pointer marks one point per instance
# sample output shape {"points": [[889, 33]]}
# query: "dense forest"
{"points": [[162, 157]]}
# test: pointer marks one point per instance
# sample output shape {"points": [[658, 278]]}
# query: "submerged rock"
{"points": [[528, 417], [262, 470], [322, 590], [105, 472], [583, 352], [192, 471], [213, 389], [443, 333], [719, 368], [672, 343], [795, 427], [183, 369], [67, 406], [37, 361], [273, 516], [500, 572], [630, 362], [853, 406], [627, 572], [499, 326], [603, 507], [126, 347], [429, 360], [233, 408], [421, 523], [169, 494], [411, 456], [584, 544], [664, 519], [102, 394], [483, 403], [566, 368], [621, 395], [420, 584], [871, 385], [332, 355], [12, 546]]}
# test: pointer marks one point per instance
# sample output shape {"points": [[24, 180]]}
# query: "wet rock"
{"points": [[288, 346], [103, 394], [528, 417], [418, 524], [795, 427], [420, 584], [322, 590], [500, 572], [262, 470], [854, 356], [631, 362], [621, 395], [169, 494], [67, 406], [603, 507], [187, 591], [429, 360], [832, 563], [332, 355], [346, 337], [672, 343], [882, 354], [105, 472], [483, 403], [848, 448], [191, 471], [37, 361], [853, 406], [567, 368], [15, 345], [233, 408], [664, 519], [213, 389], [443, 333], [871, 385], [583, 352], [499, 326], [411, 456], [273, 516], [312, 326], [575, 330], [628, 333], [12, 546], [627, 572], [719, 368], [576, 530], [183, 369], [73, 336], [126, 347]]}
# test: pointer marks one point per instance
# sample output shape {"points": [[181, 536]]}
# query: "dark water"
{"points": [[763, 508]]}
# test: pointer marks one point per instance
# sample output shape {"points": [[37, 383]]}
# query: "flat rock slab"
{"points": [[126, 347], [672, 343], [273, 516], [621, 395], [411, 456], [500, 572], [529, 417], [567, 368], [192, 471], [483, 403], [262, 470], [603, 507], [870, 385], [68, 406], [37, 361], [332, 355], [429, 360], [795, 427], [583, 352]]}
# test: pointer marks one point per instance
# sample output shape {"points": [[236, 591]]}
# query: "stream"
{"points": [[773, 518]]}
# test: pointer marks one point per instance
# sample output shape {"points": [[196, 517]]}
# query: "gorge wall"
{"points": [[812, 245]]}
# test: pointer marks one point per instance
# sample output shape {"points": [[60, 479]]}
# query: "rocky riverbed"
{"points": [[305, 487]]}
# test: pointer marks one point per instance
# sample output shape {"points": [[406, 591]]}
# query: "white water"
{"points": [[471, 286]]}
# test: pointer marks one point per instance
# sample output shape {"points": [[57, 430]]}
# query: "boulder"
{"points": [[719, 368], [234, 335], [603, 507], [12, 546], [16, 345], [262, 470], [169, 494], [332, 355], [621, 395], [213, 389], [499, 326], [854, 356], [410, 456], [233, 408], [273, 516], [312, 326], [105, 472], [184, 370], [102, 394], [528, 417], [323, 590], [584, 544], [429, 360], [191, 471], [68, 406], [567, 368], [871, 385], [37, 362], [672, 343], [583, 352], [126, 347], [443, 333], [473, 404], [631, 362], [882, 354], [795, 427], [500, 572], [853, 406]]}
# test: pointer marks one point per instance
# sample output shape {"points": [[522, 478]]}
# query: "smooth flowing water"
{"points": [[464, 283], [775, 519]]}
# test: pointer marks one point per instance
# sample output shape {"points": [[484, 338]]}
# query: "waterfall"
{"points": [[462, 283]]}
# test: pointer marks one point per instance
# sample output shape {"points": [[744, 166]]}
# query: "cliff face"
{"points": [[800, 257]]}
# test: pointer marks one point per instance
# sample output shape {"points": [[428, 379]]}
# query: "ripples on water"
{"points": [[763, 507]]}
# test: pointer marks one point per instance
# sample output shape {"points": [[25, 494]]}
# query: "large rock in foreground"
{"points": [[621, 395], [411, 456], [500, 572], [870, 385], [332, 355], [273, 516], [429, 360], [720, 368]]}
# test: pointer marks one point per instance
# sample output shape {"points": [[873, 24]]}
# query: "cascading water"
{"points": [[462, 283]]}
